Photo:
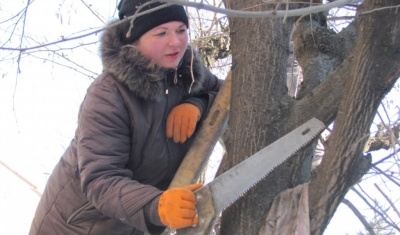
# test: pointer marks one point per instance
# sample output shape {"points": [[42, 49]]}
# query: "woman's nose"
{"points": [[174, 40]]}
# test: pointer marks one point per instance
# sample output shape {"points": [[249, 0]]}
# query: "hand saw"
{"points": [[224, 190]]}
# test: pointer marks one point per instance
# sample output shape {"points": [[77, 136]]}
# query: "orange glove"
{"points": [[182, 121], [177, 207]]}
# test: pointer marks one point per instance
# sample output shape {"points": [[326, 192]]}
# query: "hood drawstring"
{"points": [[191, 84], [191, 69], [191, 73], [176, 76]]}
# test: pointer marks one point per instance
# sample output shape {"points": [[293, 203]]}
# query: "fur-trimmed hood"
{"points": [[143, 77]]}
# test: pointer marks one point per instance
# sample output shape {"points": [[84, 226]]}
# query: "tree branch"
{"points": [[388, 199], [263, 14], [22, 37], [21, 50], [380, 212], [228, 12], [360, 217], [385, 158], [362, 94], [91, 10], [386, 175]]}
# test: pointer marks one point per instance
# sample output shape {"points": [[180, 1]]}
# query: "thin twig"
{"points": [[263, 14], [91, 10], [387, 199], [360, 217], [52, 43], [22, 36], [386, 175], [380, 212], [228, 12], [380, 9]]}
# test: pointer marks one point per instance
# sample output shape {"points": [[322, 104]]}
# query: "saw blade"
{"points": [[232, 184]]}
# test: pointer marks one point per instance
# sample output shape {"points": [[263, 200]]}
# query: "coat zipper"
{"points": [[165, 121], [175, 82]]}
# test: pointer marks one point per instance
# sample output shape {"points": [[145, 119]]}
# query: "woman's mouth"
{"points": [[173, 55]]}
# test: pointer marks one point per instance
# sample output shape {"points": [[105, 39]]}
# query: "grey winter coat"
{"points": [[111, 176]]}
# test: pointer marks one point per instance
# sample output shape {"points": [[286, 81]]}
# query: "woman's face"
{"points": [[164, 44]]}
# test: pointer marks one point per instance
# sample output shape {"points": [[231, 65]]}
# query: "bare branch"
{"points": [[232, 13], [386, 175], [53, 43], [22, 36], [379, 9], [91, 10], [90, 74], [360, 217], [388, 199], [387, 157], [263, 14], [380, 212]]}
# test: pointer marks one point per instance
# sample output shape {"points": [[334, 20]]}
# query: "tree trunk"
{"points": [[259, 103], [375, 68], [347, 90]]}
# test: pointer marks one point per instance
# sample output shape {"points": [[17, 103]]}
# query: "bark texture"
{"points": [[259, 103], [375, 68]]}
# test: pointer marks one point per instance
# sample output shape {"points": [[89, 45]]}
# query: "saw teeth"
{"points": [[266, 173]]}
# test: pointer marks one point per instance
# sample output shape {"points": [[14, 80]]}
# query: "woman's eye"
{"points": [[160, 34]]}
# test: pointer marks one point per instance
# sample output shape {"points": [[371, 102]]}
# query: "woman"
{"points": [[134, 127]]}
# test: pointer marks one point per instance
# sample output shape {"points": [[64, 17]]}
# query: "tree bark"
{"points": [[259, 103], [375, 68], [347, 90]]}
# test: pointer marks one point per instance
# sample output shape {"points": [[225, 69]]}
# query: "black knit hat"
{"points": [[146, 22]]}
